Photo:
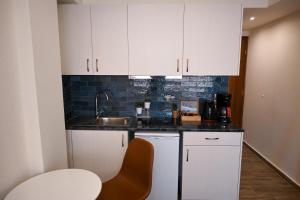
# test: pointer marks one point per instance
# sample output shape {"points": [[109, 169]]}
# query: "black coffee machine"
{"points": [[224, 109], [210, 111]]}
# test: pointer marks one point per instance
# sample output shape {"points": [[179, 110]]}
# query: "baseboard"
{"points": [[273, 166]]}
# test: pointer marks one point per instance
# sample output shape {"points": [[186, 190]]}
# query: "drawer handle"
{"points": [[122, 140], [97, 65], [212, 138], [87, 65], [187, 65], [187, 155]]}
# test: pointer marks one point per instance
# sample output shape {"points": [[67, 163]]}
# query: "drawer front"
{"points": [[212, 138]]}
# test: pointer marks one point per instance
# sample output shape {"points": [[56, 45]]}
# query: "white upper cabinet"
{"points": [[75, 39], [151, 39], [155, 36], [109, 36], [212, 35], [93, 39]]}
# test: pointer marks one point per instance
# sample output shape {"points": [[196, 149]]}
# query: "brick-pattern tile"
{"points": [[80, 91]]}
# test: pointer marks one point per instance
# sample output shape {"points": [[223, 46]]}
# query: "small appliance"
{"points": [[165, 165], [224, 109], [209, 111]]}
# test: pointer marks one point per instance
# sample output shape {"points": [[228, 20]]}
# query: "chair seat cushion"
{"points": [[120, 188]]}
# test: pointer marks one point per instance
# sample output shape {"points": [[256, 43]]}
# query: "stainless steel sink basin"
{"points": [[113, 121]]}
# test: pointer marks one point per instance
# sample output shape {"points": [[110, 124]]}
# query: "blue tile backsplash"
{"points": [[124, 93]]}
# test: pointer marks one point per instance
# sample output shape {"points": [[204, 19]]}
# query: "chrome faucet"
{"points": [[99, 112]]}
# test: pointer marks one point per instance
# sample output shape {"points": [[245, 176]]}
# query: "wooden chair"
{"points": [[134, 180]]}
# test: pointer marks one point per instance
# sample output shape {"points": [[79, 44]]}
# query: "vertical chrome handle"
{"points": [[122, 140], [87, 65], [177, 65], [187, 65], [187, 155], [97, 65]]}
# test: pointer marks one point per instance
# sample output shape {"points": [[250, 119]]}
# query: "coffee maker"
{"points": [[210, 111], [224, 109]]}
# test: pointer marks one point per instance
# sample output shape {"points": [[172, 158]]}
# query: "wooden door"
{"points": [[75, 39], [155, 35], [109, 33], [237, 86], [210, 172], [212, 34]]}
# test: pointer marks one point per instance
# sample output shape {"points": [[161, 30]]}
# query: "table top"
{"points": [[73, 184]]}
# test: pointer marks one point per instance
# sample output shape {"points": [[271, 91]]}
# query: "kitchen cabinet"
{"points": [[93, 39], [209, 32], [155, 36], [212, 38], [75, 39], [211, 165], [192, 39], [101, 152], [109, 36]]}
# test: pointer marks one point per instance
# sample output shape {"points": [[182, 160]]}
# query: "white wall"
{"points": [[32, 138], [15, 163], [25, 74], [272, 99], [44, 23]]}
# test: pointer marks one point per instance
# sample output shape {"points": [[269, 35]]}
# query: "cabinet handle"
{"points": [[97, 65], [177, 65], [187, 155], [212, 138], [122, 140], [187, 65], [87, 65]]}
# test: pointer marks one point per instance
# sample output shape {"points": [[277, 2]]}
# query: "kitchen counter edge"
{"points": [[80, 124]]}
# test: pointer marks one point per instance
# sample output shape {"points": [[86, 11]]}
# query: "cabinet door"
{"points": [[155, 35], [110, 47], [101, 152], [75, 39], [210, 172], [212, 35]]}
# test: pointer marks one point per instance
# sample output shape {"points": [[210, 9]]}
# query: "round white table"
{"points": [[66, 184]]}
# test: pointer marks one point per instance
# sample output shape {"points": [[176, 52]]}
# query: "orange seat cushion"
{"points": [[120, 188]]}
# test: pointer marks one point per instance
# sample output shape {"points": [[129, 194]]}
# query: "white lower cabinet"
{"points": [[211, 168], [101, 152]]}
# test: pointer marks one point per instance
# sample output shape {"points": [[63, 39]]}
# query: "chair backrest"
{"points": [[138, 164]]}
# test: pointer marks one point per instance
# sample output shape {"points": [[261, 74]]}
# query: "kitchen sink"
{"points": [[113, 121]]}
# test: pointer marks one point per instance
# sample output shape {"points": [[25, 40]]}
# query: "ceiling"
{"points": [[247, 3], [66, 1], [272, 9], [266, 15]]}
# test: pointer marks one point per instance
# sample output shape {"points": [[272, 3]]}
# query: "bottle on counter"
{"points": [[174, 111]]}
